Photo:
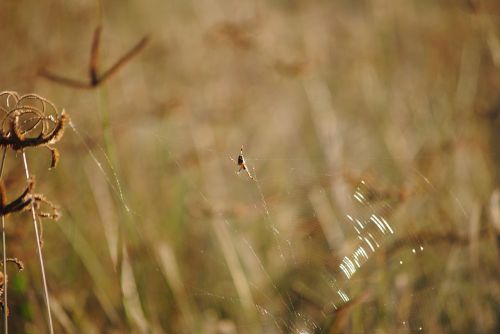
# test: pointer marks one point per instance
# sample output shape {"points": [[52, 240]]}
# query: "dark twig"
{"points": [[124, 59], [96, 79], [64, 81], [94, 57]]}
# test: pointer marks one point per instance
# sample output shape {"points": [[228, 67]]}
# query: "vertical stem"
{"points": [[4, 250], [39, 249], [109, 145], [109, 149]]}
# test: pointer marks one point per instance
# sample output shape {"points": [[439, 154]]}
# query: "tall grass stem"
{"points": [[39, 249], [4, 250]]}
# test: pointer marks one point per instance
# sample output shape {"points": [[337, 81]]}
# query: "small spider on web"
{"points": [[242, 164]]}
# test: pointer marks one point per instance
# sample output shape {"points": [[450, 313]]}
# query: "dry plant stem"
{"points": [[94, 57], [39, 249], [64, 81], [4, 249], [95, 79], [124, 59]]}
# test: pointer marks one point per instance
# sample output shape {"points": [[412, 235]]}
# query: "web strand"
{"points": [[116, 185]]}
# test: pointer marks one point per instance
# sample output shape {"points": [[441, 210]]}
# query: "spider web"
{"points": [[359, 235], [321, 240], [282, 253]]}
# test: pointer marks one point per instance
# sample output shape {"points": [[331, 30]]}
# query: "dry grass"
{"points": [[384, 112]]}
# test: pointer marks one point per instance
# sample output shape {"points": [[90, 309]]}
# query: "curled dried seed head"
{"points": [[30, 121]]}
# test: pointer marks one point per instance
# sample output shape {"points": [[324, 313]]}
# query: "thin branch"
{"points": [[123, 60], [96, 79], [64, 81], [94, 57]]}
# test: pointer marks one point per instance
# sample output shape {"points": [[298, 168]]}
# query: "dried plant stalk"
{"points": [[28, 121]]}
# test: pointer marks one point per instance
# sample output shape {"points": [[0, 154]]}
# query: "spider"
{"points": [[241, 164]]}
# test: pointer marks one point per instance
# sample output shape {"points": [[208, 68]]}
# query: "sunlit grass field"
{"points": [[370, 130]]}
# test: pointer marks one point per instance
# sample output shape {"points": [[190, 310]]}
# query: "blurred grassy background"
{"points": [[344, 109]]}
